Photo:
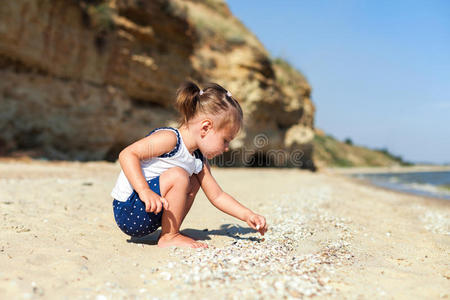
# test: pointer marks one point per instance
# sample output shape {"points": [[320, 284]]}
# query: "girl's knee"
{"points": [[176, 175]]}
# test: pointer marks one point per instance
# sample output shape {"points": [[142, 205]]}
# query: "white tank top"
{"points": [[154, 167]]}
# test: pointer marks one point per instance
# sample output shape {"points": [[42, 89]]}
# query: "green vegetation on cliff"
{"points": [[445, 187], [328, 151]]}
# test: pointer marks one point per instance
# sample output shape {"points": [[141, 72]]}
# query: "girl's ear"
{"points": [[206, 126]]}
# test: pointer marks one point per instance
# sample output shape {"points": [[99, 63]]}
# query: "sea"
{"points": [[434, 184]]}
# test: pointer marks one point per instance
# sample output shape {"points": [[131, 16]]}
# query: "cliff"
{"points": [[83, 79], [329, 152]]}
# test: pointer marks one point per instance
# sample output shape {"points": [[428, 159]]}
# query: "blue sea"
{"points": [[431, 184]]}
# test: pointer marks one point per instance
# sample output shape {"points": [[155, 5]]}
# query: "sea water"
{"points": [[431, 184]]}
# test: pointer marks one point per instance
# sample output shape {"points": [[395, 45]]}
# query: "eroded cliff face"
{"points": [[83, 79]]}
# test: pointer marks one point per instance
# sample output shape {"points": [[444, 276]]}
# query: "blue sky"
{"points": [[380, 70]]}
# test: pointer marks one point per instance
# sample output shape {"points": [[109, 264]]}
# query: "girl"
{"points": [[162, 173]]}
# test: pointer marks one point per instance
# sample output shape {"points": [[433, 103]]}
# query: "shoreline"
{"points": [[368, 183], [385, 170], [393, 170]]}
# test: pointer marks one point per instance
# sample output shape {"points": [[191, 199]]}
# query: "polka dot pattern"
{"points": [[131, 216]]}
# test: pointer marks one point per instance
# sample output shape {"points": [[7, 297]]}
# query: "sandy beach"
{"points": [[329, 237]]}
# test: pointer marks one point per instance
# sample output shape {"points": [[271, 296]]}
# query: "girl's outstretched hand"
{"points": [[153, 202], [257, 222]]}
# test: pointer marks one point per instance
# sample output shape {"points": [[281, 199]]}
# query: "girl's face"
{"points": [[215, 142]]}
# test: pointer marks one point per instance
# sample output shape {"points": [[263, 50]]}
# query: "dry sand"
{"points": [[329, 237]]}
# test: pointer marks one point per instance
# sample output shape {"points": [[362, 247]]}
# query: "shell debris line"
{"points": [[271, 267], [433, 220]]}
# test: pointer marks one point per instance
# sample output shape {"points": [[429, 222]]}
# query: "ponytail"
{"points": [[187, 100], [212, 100]]}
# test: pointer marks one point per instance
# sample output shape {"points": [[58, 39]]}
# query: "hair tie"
{"points": [[201, 92], [229, 94]]}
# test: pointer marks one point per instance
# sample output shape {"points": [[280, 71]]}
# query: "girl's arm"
{"points": [[153, 145], [227, 203]]}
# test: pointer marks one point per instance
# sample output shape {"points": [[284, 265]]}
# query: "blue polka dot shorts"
{"points": [[131, 216]]}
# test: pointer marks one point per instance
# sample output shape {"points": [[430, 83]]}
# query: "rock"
{"points": [[81, 79]]}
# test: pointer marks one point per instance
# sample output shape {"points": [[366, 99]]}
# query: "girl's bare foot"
{"points": [[179, 240]]}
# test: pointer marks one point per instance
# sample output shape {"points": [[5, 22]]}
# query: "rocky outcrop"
{"points": [[82, 79], [330, 152]]}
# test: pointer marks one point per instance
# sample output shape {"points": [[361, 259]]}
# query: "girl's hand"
{"points": [[153, 202], [257, 222]]}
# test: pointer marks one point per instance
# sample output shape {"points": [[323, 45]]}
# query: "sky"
{"points": [[379, 69]]}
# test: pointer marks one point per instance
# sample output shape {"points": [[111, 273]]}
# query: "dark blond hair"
{"points": [[212, 100]]}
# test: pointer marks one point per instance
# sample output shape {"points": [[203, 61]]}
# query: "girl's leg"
{"points": [[175, 186], [194, 186]]}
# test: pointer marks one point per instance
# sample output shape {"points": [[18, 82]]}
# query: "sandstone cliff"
{"points": [[82, 79]]}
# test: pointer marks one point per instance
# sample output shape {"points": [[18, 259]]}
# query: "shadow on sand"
{"points": [[231, 230]]}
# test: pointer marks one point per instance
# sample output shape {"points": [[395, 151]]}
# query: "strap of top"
{"points": [[177, 146], [199, 155], [199, 161]]}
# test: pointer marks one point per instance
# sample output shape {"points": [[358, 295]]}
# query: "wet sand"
{"points": [[329, 236]]}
